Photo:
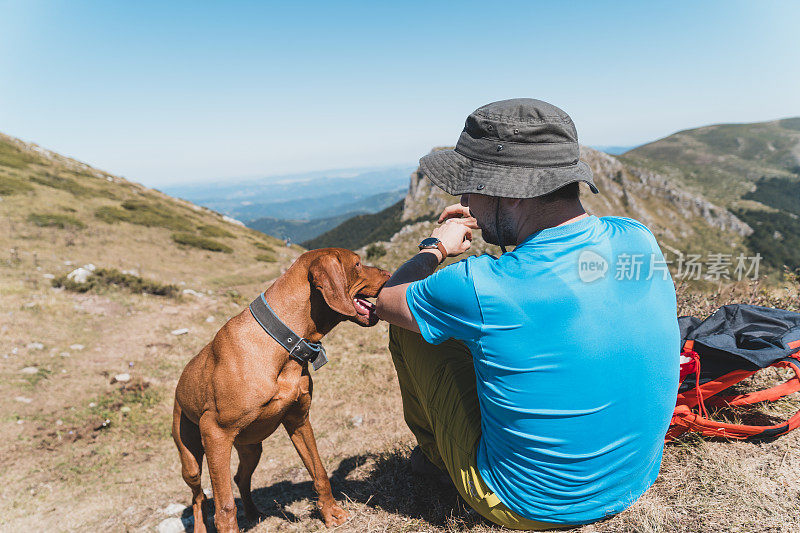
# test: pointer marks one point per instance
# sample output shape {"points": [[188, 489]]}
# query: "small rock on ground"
{"points": [[23, 399], [174, 508], [80, 274], [171, 525], [76, 347], [181, 331], [122, 378], [30, 370], [36, 346]]}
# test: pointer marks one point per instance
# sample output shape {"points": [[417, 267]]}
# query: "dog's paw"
{"points": [[334, 515]]}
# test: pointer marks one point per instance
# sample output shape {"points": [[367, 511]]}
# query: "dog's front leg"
{"points": [[298, 426], [218, 444]]}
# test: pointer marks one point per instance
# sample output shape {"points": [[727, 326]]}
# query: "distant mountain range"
{"points": [[303, 229], [300, 206], [296, 196]]}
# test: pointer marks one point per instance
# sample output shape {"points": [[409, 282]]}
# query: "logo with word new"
{"points": [[591, 266]]}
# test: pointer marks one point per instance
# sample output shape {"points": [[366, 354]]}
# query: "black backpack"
{"points": [[731, 345]]}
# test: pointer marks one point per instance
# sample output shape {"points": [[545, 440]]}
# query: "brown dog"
{"points": [[243, 384]]}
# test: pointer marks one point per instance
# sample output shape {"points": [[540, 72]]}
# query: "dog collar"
{"points": [[299, 348]]}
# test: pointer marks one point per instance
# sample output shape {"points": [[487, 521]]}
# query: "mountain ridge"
{"points": [[751, 169]]}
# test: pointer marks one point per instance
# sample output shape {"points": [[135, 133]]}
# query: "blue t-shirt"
{"points": [[575, 342]]}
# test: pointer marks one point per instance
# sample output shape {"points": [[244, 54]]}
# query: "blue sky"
{"points": [[168, 92]]}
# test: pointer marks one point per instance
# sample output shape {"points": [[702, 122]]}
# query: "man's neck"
{"points": [[550, 216]]}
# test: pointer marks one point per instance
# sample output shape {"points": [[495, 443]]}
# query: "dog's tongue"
{"points": [[364, 307]]}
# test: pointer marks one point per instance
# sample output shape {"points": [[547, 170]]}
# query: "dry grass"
{"points": [[77, 477]]}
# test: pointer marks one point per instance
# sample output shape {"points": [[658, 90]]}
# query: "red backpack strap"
{"points": [[684, 419], [790, 386]]}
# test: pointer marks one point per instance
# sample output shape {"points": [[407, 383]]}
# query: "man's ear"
{"points": [[326, 274]]}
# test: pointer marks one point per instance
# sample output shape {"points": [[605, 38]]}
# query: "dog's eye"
{"points": [[358, 264]]}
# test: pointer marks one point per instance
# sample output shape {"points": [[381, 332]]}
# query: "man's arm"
{"points": [[455, 234], [391, 304]]}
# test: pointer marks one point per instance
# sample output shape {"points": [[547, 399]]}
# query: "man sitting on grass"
{"points": [[543, 380]]}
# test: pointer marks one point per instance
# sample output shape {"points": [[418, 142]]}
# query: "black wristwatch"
{"points": [[431, 243]]}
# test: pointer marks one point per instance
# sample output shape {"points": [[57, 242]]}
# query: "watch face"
{"points": [[429, 242]]}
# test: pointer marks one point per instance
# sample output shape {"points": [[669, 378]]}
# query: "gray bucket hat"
{"points": [[518, 148]]}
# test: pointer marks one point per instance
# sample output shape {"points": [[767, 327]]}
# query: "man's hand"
{"points": [[456, 236], [458, 211], [456, 228]]}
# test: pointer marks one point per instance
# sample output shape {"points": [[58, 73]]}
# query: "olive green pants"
{"points": [[440, 406]]}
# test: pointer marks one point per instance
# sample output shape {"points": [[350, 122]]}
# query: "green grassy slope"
{"points": [[298, 230], [61, 209], [361, 230], [724, 161]]}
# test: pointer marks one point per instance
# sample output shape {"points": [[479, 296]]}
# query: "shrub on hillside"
{"points": [[204, 243], [268, 257], [143, 213], [215, 231], [375, 251], [12, 185], [55, 220], [262, 246], [104, 278], [12, 156], [62, 183]]}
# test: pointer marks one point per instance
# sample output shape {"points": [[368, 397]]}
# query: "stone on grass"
{"points": [[174, 508], [192, 292], [76, 347], [125, 409], [232, 220], [122, 378], [23, 399], [210, 319], [35, 346], [171, 525], [181, 331], [30, 370], [80, 274], [49, 276]]}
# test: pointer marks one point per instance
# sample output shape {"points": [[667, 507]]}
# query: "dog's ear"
{"points": [[326, 273]]}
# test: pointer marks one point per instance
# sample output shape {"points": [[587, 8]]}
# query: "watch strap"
{"points": [[439, 246]]}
